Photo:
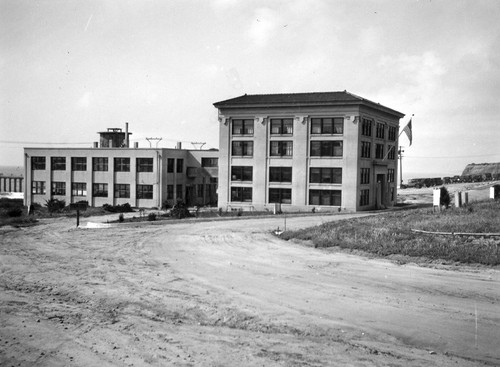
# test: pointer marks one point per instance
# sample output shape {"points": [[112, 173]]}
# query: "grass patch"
{"points": [[390, 234]]}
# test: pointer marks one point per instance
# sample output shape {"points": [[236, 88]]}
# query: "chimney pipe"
{"points": [[126, 135], [136, 144], [179, 145]]}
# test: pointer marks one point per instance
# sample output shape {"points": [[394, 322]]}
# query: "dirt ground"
{"points": [[229, 293]]}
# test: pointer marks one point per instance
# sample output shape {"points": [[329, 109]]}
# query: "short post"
{"points": [[492, 192], [465, 198], [458, 199], [77, 218], [436, 199]]}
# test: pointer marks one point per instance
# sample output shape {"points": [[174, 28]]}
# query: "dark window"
{"points": [[170, 192], [281, 126], [281, 196], [38, 187], [78, 163], [365, 176], [78, 189], [242, 148], [243, 194], [170, 164], [364, 197], [243, 127], [58, 188], [390, 175], [391, 153], [100, 164], [392, 133], [144, 164], [178, 192], [38, 163], [280, 174], [180, 165], [326, 175], [209, 162], [325, 197], [58, 163], [281, 148], [326, 149], [100, 190], [122, 164], [144, 191], [122, 191], [366, 149], [379, 151], [366, 127], [380, 131], [327, 125], [241, 173]]}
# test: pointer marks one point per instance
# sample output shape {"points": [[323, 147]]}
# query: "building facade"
{"points": [[323, 151], [142, 177]]}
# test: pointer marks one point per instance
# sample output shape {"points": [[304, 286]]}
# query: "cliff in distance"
{"points": [[474, 169]]}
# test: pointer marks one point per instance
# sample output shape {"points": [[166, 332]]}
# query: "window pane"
{"points": [[315, 175], [247, 173], [315, 126], [237, 127], [337, 149], [237, 148], [286, 174], [275, 148], [275, 126], [338, 126], [313, 197], [327, 126], [287, 126], [315, 148]]}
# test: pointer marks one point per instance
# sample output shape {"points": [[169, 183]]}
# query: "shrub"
{"points": [[124, 208], [55, 205], [152, 217], [444, 197], [121, 218], [15, 212], [6, 203], [180, 210]]}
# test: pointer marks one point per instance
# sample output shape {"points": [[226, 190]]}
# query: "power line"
{"points": [[458, 156]]}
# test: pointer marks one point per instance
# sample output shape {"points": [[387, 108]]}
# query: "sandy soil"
{"points": [[228, 293]]}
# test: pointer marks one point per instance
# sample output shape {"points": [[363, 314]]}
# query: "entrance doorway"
{"points": [[381, 192]]}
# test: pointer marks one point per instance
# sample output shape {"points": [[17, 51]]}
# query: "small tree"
{"points": [[444, 199]]}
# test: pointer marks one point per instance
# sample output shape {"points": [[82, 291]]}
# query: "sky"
{"points": [[70, 69]]}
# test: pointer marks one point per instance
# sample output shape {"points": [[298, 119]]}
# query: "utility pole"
{"points": [[157, 141], [400, 154]]}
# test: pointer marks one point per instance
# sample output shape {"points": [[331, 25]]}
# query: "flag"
{"points": [[407, 130]]}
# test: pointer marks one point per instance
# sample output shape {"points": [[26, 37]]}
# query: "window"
{"points": [[144, 164], [122, 164], [364, 197], [242, 148], [122, 191], [325, 197], [281, 148], [391, 154], [283, 196], [392, 133], [327, 125], [38, 163], [280, 174], [170, 192], [243, 194], [366, 127], [58, 188], [38, 187], [78, 189], [100, 164], [199, 190], [78, 163], [281, 126], [241, 173], [100, 190], [58, 163], [326, 149], [209, 162], [178, 189], [170, 165], [144, 191], [365, 176], [366, 149], [379, 151], [180, 165], [390, 175], [380, 131], [243, 127], [325, 175]]}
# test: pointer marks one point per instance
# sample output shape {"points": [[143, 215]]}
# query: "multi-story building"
{"points": [[327, 151], [113, 173]]}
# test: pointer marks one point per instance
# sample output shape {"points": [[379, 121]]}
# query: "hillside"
{"points": [[481, 168]]}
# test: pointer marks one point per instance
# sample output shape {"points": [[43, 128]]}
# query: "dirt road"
{"points": [[228, 293]]}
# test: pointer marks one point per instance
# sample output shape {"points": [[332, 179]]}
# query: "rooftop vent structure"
{"points": [[115, 138]]}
